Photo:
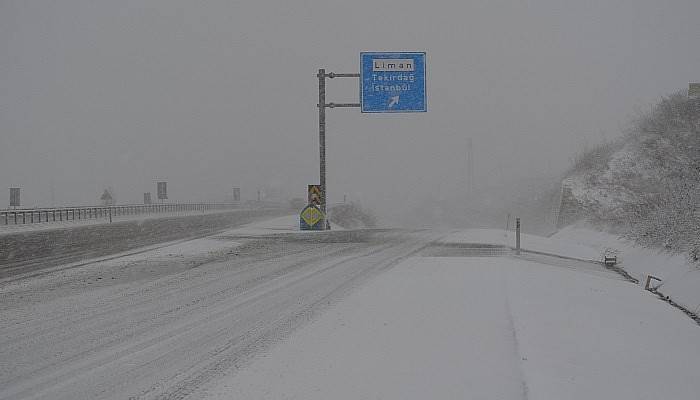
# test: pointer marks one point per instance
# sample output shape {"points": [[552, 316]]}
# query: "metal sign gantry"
{"points": [[394, 84]]}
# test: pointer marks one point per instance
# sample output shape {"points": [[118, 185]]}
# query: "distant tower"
{"points": [[470, 168]]}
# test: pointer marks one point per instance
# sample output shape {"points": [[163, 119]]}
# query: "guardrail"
{"points": [[38, 215]]}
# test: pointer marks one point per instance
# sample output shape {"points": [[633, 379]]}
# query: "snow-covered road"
{"points": [[262, 312], [162, 325], [483, 328]]}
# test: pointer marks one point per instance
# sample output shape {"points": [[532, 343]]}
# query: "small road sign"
{"points": [[314, 195], [14, 197], [694, 90], [392, 82], [236, 195], [107, 198], [311, 219], [162, 190]]}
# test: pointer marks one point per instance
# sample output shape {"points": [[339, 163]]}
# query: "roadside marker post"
{"points": [[517, 236]]}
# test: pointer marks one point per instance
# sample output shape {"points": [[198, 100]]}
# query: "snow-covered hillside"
{"points": [[646, 185], [645, 189]]}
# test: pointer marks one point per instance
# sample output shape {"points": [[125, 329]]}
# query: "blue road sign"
{"points": [[392, 82]]}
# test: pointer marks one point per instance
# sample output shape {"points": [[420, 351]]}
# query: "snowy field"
{"points": [[483, 328]]}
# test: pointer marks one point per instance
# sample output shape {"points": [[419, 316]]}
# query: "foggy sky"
{"points": [[212, 95]]}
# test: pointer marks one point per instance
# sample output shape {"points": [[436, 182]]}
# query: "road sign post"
{"points": [[322, 105], [390, 82], [162, 191], [14, 197]]}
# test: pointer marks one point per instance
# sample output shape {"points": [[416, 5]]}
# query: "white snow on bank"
{"points": [[553, 245], [482, 328], [681, 280], [584, 337]]}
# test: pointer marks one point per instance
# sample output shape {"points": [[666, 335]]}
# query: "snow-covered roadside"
{"points": [[454, 327], [680, 279], [550, 245], [285, 224]]}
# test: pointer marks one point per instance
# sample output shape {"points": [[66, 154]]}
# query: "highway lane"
{"points": [[162, 329], [34, 250]]}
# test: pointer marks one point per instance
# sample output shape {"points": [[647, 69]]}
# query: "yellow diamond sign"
{"points": [[311, 215]]}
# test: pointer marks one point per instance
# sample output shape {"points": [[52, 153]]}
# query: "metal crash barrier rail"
{"points": [[38, 215]]}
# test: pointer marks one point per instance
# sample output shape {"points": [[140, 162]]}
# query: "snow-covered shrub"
{"points": [[352, 215]]}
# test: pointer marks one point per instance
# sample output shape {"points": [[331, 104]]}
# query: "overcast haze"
{"points": [[211, 95]]}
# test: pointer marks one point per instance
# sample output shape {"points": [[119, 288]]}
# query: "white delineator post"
{"points": [[517, 236]]}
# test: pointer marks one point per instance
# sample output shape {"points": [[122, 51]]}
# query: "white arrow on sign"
{"points": [[393, 101]]}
